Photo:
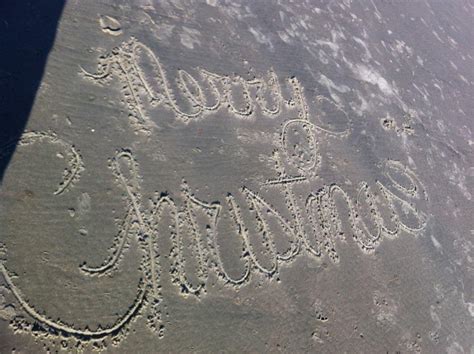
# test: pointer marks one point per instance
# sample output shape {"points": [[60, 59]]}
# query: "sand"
{"points": [[241, 177]]}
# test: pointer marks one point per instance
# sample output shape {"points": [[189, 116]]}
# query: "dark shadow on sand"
{"points": [[27, 32]]}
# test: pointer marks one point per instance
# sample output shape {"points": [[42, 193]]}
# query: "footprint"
{"points": [[110, 25], [83, 205]]}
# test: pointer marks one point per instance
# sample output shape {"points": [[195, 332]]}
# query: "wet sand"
{"points": [[244, 177]]}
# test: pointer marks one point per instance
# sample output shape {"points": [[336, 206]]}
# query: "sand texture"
{"points": [[238, 176]]}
